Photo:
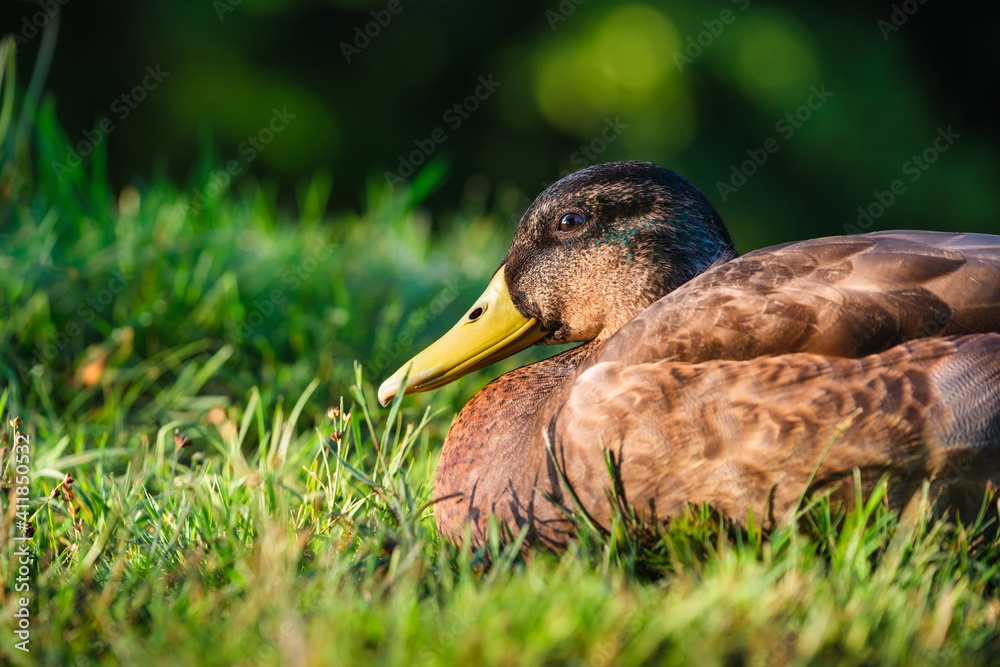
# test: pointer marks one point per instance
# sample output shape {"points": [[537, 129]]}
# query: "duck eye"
{"points": [[571, 221]]}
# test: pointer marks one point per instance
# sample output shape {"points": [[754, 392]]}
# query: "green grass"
{"points": [[281, 535]]}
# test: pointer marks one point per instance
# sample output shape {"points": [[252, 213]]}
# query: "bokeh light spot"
{"points": [[618, 62], [776, 62]]}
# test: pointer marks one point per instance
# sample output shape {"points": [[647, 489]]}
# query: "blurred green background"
{"points": [[367, 164], [564, 69]]}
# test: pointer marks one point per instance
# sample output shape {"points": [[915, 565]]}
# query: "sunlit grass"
{"points": [[316, 546], [213, 487]]}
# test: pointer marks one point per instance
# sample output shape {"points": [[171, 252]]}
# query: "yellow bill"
{"points": [[492, 330]]}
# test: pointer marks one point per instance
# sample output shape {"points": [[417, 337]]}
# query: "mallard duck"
{"points": [[742, 382]]}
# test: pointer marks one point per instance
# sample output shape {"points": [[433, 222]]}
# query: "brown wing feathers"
{"points": [[729, 390], [748, 434], [845, 296]]}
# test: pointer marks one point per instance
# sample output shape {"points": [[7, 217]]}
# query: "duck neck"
{"points": [[488, 449]]}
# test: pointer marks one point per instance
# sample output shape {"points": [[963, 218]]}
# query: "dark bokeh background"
{"points": [[230, 64]]}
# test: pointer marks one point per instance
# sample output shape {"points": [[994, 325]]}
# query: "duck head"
{"points": [[592, 252]]}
